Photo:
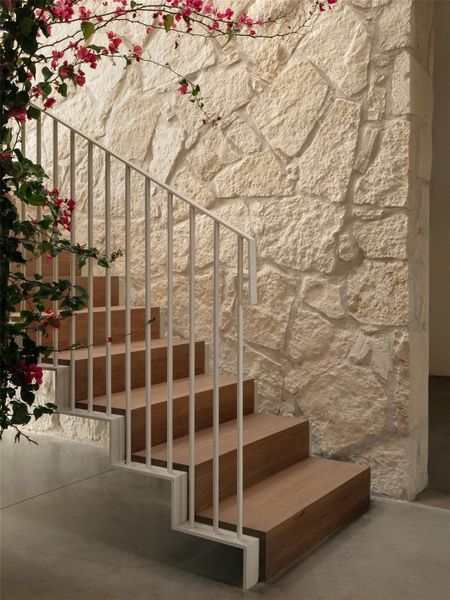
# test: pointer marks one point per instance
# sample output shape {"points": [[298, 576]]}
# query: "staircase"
{"points": [[239, 477]]}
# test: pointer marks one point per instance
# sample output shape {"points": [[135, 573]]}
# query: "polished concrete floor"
{"points": [[71, 529], [438, 490]]}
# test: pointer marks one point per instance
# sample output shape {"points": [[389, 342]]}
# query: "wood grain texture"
{"points": [[271, 443], [159, 365], [117, 326], [297, 508], [47, 265], [203, 408], [98, 290]]}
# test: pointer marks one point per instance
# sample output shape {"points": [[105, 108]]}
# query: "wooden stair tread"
{"points": [[280, 497], [96, 309], [119, 348], [203, 383], [256, 427]]}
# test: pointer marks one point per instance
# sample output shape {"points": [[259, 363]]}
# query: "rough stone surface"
{"points": [[324, 296], [266, 323], [283, 119], [385, 238], [378, 293], [312, 337], [391, 462], [409, 74], [243, 137], [341, 48], [345, 405], [386, 182], [323, 154], [306, 240], [335, 144], [211, 154], [395, 25], [258, 175]]}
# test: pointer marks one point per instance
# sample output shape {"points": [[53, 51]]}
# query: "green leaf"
{"points": [[47, 73], [88, 29], [63, 89], [168, 22], [33, 112]]}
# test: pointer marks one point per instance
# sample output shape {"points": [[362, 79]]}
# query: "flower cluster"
{"points": [[51, 319], [323, 5], [64, 208], [31, 373]]}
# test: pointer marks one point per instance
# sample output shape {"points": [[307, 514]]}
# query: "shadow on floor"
{"points": [[106, 536], [438, 490]]}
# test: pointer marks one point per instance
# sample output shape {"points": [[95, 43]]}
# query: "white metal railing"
{"points": [[219, 226]]}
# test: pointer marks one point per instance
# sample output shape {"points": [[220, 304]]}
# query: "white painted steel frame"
{"points": [[170, 332], [55, 262], [108, 339], [39, 209], [148, 330], [183, 487], [128, 312], [73, 261], [192, 366], [90, 241]]}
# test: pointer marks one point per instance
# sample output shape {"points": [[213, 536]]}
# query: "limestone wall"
{"points": [[324, 155]]}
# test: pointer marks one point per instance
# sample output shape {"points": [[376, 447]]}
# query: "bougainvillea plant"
{"points": [[46, 49]]}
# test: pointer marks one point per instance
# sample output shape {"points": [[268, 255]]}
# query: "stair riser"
{"points": [[117, 327], [159, 369], [262, 459], [98, 291], [203, 415], [297, 535]]}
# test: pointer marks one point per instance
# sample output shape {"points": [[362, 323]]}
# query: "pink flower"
{"points": [[80, 78], [19, 113], [30, 372], [84, 13], [49, 102], [183, 89], [137, 52]]}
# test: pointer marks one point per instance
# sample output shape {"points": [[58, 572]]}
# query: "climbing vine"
{"points": [[46, 48]]}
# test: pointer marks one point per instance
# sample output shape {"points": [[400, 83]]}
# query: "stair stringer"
{"points": [[178, 479]]}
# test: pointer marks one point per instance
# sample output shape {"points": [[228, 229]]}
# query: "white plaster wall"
{"points": [[440, 199], [323, 155]]}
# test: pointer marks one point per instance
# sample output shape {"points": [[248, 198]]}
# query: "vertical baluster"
{"points": [[90, 217], [192, 365], [240, 396], [55, 270], [216, 405], [108, 282], [73, 265], [128, 311], [170, 332], [148, 331], [39, 209], [23, 266]]}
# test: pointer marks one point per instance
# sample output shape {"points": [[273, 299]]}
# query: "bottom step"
{"points": [[297, 508]]}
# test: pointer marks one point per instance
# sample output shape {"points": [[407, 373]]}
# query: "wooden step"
{"points": [[271, 443], [46, 267], [297, 508], [98, 290], [203, 407], [117, 326], [159, 365]]}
